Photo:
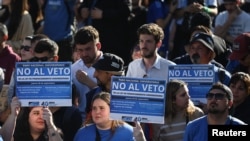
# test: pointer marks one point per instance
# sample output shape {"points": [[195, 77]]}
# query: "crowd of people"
{"points": [[138, 39]]}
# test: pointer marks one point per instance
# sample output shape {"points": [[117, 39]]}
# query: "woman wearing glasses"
{"points": [[25, 50], [179, 110], [240, 86], [26, 55]]}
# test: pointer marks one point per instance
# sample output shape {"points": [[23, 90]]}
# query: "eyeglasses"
{"points": [[40, 59], [217, 96], [26, 48]]}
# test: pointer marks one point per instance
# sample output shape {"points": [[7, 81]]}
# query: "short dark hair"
{"points": [[86, 34], [47, 45], [224, 88], [38, 37], [201, 18]]}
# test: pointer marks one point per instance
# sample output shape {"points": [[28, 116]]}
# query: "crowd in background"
{"points": [[143, 37]]}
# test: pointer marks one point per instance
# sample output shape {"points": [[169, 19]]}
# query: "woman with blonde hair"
{"points": [[179, 110]]}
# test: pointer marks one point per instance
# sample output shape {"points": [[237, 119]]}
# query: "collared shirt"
{"points": [[159, 70], [81, 88]]}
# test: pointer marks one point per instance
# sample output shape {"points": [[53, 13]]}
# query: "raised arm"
{"points": [[8, 128]]}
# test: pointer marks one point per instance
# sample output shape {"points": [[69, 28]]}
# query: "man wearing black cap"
{"points": [[107, 66], [201, 51]]}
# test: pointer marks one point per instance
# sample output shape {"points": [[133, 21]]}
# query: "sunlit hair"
{"points": [[86, 34], [48, 45], [105, 96], [199, 28], [243, 77], [170, 110], [152, 29]]}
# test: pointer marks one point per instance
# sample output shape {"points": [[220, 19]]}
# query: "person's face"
{"points": [[136, 54], [88, 52], [218, 105], [148, 46], [36, 121], [198, 49], [103, 77], [182, 98], [44, 57], [100, 112], [26, 51], [239, 92], [230, 6]]}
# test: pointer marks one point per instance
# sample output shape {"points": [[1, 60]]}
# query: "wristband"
{"points": [[206, 9]]}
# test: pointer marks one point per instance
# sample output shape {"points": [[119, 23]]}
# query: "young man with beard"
{"points": [[219, 101], [151, 65], [88, 46]]}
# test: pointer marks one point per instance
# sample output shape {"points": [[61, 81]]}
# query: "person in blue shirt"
{"points": [[161, 12], [219, 101], [99, 127]]}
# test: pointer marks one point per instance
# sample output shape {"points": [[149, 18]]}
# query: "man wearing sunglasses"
{"points": [[28, 45], [219, 101], [46, 50]]}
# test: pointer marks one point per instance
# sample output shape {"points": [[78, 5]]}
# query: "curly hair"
{"points": [[152, 29]]}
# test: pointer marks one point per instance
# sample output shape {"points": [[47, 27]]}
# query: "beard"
{"points": [[89, 59], [150, 54], [195, 58], [214, 110]]}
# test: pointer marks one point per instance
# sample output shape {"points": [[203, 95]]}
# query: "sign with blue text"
{"points": [[138, 99], [44, 83], [199, 78]]}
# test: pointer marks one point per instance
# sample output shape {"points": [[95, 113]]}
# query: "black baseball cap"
{"points": [[111, 63]]}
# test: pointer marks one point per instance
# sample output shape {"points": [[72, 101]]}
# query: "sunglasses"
{"points": [[26, 48], [217, 96], [40, 59]]}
